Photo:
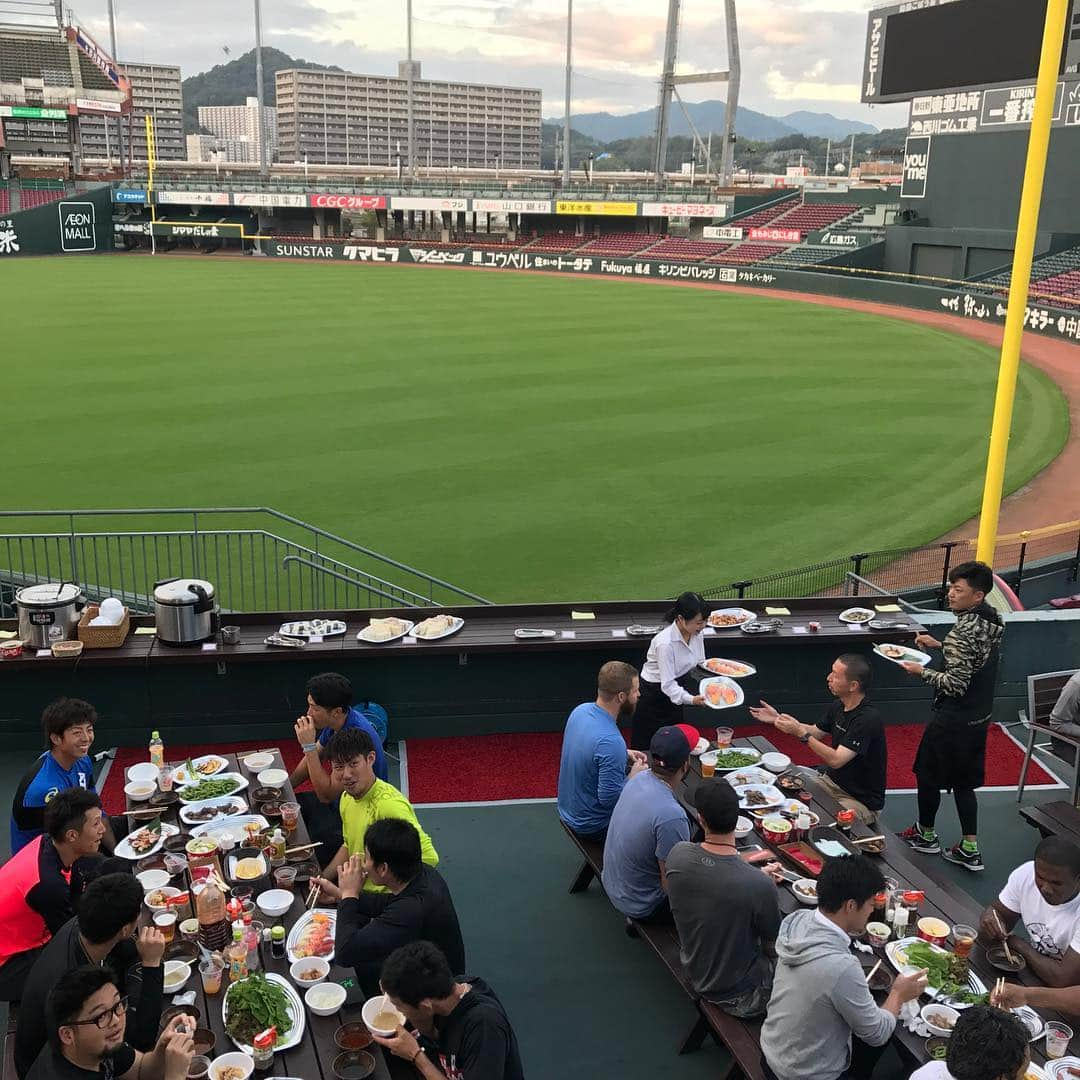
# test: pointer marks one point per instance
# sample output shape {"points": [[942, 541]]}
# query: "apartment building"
{"points": [[238, 128], [339, 118], [155, 91]]}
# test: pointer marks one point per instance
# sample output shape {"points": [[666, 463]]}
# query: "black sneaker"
{"points": [[915, 840], [969, 860]]}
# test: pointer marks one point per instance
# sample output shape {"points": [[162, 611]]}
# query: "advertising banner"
{"points": [[93, 105], [779, 236], [1005, 107], [267, 198], [333, 201], [512, 206], [611, 209], [684, 210], [201, 229], [58, 228], [201, 198], [129, 195], [721, 232], [850, 240], [77, 227], [97, 56], [916, 167], [400, 202], [32, 112]]}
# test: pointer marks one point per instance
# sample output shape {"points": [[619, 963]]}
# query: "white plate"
{"points": [[295, 1009], [453, 628], [241, 784], [773, 794], [234, 803], [749, 751], [1032, 1021], [1039, 1072], [894, 951], [180, 776], [749, 774], [721, 680], [365, 634], [744, 670], [144, 770], [857, 616], [700, 748], [299, 927], [741, 614], [234, 825], [911, 655], [126, 851], [1059, 1069], [313, 628]]}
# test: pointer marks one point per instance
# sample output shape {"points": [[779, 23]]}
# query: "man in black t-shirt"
{"points": [[856, 757], [461, 1029]]}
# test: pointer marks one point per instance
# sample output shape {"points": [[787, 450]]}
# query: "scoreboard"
{"points": [[927, 46]]}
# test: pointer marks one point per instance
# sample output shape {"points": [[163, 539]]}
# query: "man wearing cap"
{"points": [[725, 910], [646, 824]]}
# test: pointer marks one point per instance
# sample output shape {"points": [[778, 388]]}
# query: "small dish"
{"points": [[236, 1060], [176, 974], [354, 1036], [274, 902], [257, 762], [998, 959], [353, 1065], [376, 1007], [940, 1019], [153, 879], [743, 827], [313, 967], [181, 1010], [144, 770], [805, 890], [139, 790], [776, 762], [273, 778], [325, 999], [937, 1048]]}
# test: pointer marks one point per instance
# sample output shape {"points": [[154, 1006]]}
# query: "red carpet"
{"points": [[487, 768]]}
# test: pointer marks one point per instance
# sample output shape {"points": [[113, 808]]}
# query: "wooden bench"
{"points": [[1059, 818], [1043, 692], [741, 1038]]}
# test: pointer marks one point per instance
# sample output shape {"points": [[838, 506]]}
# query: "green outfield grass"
{"points": [[528, 438]]}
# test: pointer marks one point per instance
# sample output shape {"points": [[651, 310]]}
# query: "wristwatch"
{"points": [[804, 739], [310, 748]]}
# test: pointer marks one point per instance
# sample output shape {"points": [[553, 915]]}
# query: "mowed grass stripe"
{"points": [[527, 437]]}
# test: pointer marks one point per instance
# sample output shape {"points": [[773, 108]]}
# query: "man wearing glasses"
{"points": [[87, 1019]]}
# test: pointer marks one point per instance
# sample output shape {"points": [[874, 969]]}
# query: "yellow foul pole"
{"points": [[1027, 225], [151, 160]]}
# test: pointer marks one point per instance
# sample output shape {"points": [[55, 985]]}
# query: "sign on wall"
{"points": [[129, 195], [202, 198], [77, 229], [916, 167], [32, 112], [1008, 107], [512, 206], [398, 202], [332, 201], [684, 210], [610, 209], [94, 105], [267, 198], [722, 232], [780, 236]]}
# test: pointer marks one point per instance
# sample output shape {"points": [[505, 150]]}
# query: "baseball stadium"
{"points": [[369, 462]]}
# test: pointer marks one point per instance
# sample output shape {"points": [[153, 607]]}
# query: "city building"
{"points": [[213, 148], [155, 91], [339, 118], [238, 125]]}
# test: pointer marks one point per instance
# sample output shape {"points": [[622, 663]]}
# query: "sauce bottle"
{"points": [[157, 750], [277, 942], [262, 1049], [237, 954]]}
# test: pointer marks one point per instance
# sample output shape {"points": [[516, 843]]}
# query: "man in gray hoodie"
{"points": [[820, 999]]}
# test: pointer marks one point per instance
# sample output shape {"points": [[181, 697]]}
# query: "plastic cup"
{"points": [[963, 940], [1057, 1039], [285, 877], [165, 778], [708, 764], [175, 864], [198, 1068], [290, 816], [210, 971], [165, 921], [724, 735], [189, 930]]}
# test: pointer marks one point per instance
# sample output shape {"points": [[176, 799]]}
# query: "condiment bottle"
{"points": [[237, 954], [881, 903], [277, 844], [900, 921], [277, 942], [210, 910], [911, 900], [262, 1048], [157, 750], [802, 824]]}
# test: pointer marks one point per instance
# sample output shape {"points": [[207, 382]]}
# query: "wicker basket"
{"points": [[103, 637]]}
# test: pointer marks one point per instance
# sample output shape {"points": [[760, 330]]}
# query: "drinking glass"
{"points": [[285, 877], [198, 1068], [724, 735], [165, 921], [290, 816], [211, 970], [1057, 1039], [963, 940]]}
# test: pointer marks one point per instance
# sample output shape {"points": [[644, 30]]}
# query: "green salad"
{"points": [[256, 1003], [735, 759], [945, 972], [209, 789]]}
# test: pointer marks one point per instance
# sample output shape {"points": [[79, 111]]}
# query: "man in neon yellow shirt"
{"points": [[365, 799]]}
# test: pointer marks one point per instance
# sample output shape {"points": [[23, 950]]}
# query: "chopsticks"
{"points": [[313, 893], [1004, 938], [303, 847], [873, 971], [867, 839]]}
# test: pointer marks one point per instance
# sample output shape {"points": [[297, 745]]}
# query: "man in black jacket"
{"points": [[101, 935], [418, 906], [461, 1023], [952, 752]]}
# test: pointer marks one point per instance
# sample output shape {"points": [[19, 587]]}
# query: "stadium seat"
{"points": [[741, 254], [622, 243], [678, 247], [555, 242]]}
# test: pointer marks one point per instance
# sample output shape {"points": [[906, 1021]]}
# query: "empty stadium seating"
{"points": [[5, 197], [1061, 262], [809, 217], [1061, 289], [760, 218], [624, 243], [92, 78], [35, 59], [39, 192], [556, 242], [740, 254], [678, 247], [805, 255]]}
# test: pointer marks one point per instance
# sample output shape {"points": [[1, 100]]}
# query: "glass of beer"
{"points": [[963, 940], [724, 735], [290, 816], [708, 764], [165, 921]]}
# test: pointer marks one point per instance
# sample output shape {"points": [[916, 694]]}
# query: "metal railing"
{"points": [[281, 564]]}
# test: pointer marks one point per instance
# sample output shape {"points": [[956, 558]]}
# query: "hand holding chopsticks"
{"points": [[1009, 955]]}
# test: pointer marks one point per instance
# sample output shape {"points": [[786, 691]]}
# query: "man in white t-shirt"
{"points": [[986, 1044], [1044, 894]]}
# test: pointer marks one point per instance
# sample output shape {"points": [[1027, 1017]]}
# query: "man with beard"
{"points": [[595, 762]]}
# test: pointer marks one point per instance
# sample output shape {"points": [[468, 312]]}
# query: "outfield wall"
{"points": [[78, 225], [978, 307]]}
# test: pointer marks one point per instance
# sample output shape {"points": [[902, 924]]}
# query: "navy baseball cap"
{"points": [[670, 747]]}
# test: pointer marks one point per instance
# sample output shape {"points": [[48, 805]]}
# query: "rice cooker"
{"points": [[48, 613], [184, 611]]}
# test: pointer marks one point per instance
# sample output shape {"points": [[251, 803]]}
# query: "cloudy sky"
{"points": [[797, 54]]}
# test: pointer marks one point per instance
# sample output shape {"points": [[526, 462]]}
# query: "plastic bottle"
{"points": [[210, 910], [157, 749], [262, 1049], [277, 845], [237, 954], [277, 942]]}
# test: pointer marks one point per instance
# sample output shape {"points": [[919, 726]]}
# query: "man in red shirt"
{"points": [[40, 886]]}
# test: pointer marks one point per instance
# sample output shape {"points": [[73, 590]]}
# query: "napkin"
{"points": [[145, 629], [186, 998], [887, 607], [777, 611], [582, 615]]}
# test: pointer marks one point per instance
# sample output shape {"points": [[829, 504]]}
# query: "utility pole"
{"points": [[120, 119], [566, 117], [851, 156], [264, 165], [409, 90], [828, 154]]}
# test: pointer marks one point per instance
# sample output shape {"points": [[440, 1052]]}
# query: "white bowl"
{"points": [[274, 778], [372, 1008], [140, 790], [309, 963], [175, 975], [237, 1060], [145, 770], [802, 897], [776, 763], [258, 762], [932, 1010], [274, 902], [334, 1003], [168, 890], [153, 879], [743, 827]]}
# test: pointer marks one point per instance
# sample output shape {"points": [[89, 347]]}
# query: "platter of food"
{"points": [[948, 978], [733, 669], [898, 654], [759, 796], [750, 775], [736, 757], [261, 1001], [720, 692], [730, 617], [438, 626], [312, 935], [145, 841], [199, 768], [761, 626], [1066, 1068], [213, 787], [1035, 1024], [234, 825], [856, 616], [380, 631], [804, 856], [212, 809], [309, 628]]}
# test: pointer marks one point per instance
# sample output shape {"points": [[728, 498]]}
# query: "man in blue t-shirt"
{"points": [[595, 760], [647, 823], [69, 731], [330, 710]]}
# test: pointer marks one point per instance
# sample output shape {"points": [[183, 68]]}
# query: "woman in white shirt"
{"points": [[673, 653]]}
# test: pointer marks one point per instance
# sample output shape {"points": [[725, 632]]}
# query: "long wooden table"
{"points": [[313, 1058], [1058, 818], [943, 899]]}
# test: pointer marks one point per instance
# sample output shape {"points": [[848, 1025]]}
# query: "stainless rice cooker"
{"points": [[184, 611], [48, 613]]}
